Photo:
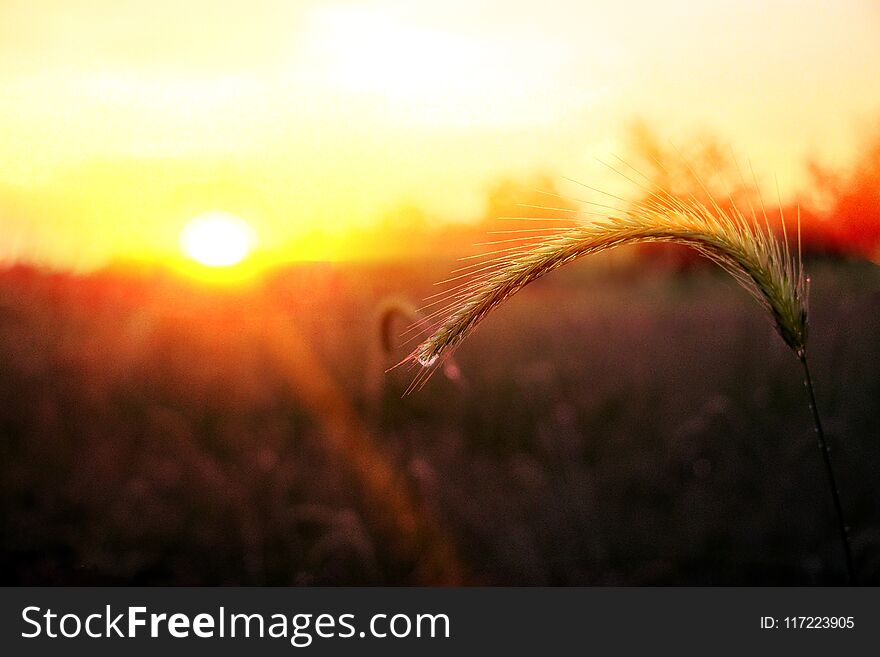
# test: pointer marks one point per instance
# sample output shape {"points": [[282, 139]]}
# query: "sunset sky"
{"points": [[122, 119]]}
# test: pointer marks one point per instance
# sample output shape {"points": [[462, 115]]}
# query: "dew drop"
{"points": [[427, 360]]}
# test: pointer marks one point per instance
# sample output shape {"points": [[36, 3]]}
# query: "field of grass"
{"points": [[611, 425]]}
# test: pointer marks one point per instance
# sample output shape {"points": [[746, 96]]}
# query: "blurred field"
{"points": [[612, 425]]}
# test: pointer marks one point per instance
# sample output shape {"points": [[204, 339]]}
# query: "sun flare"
{"points": [[217, 239]]}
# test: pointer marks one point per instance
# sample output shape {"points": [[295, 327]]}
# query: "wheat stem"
{"points": [[843, 528]]}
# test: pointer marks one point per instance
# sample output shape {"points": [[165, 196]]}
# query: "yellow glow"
{"points": [[421, 74], [217, 239], [316, 119]]}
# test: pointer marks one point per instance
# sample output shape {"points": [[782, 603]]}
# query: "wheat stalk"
{"points": [[744, 246]]}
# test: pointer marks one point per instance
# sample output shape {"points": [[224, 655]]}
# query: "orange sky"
{"points": [[121, 119]]}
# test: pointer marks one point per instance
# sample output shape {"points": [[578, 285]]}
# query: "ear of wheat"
{"points": [[742, 246]]}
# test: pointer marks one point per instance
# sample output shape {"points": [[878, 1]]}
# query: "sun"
{"points": [[217, 239]]}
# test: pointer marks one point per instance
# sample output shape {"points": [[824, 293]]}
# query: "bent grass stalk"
{"points": [[744, 247], [390, 313]]}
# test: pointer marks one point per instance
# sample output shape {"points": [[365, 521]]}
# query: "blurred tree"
{"points": [[535, 196], [702, 169], [846, 218]]}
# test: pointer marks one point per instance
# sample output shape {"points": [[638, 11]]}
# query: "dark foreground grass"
{"points": [[611, 427]]}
